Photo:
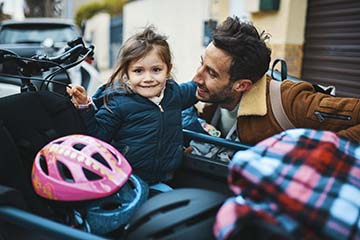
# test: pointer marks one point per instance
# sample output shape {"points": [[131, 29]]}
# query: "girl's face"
{"points": [[148, 75]]}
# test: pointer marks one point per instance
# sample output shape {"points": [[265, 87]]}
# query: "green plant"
{"points": [[87, 11], [114, 7]]}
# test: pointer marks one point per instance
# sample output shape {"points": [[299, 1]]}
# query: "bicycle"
{"points": [[28, 121]]}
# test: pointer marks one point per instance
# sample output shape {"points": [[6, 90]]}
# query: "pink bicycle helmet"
{"points": [[78, 167]]}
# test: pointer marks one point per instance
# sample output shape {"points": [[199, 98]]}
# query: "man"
{"points": [[232, 77]]}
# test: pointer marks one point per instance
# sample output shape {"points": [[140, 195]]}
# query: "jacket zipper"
{"points": [[321, 116], [161, 128]]}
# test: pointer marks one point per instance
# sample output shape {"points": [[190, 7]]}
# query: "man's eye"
{"points": [[212, 74]]}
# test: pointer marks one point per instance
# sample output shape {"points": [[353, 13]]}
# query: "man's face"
{"points": [[213, 79]]}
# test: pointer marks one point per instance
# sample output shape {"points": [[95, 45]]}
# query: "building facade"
{"points": [[320, 40]]}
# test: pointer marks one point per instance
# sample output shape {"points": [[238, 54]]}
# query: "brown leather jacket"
{"points": [[304, 107]]}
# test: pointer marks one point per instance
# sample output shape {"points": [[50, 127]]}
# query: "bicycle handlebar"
{"points": [[75, 49], [72, 53], [41, 63]]}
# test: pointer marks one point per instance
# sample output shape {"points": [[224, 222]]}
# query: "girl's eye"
{"points": [[137, 70], [157, 69]]}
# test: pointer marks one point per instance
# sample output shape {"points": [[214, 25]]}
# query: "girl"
{"points": [[139, 109]]}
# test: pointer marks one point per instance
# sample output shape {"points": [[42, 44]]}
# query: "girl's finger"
{"points": [[81, 89], [70, 91]]}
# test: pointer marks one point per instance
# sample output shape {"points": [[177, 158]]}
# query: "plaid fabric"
{"points": [[305, 181]]}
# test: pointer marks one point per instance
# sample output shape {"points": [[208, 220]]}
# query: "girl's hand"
{"points": [[78, 94]]}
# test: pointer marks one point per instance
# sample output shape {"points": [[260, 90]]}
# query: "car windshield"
{"points": [[37, 33]]}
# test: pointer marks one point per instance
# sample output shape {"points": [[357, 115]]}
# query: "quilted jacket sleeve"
{"points": [[104, 122], [188, 94]]}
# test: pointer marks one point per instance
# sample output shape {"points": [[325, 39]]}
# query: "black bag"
{"points": [[28, 121]]}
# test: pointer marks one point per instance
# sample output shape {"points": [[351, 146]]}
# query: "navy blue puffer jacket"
{"points": [[149, 138]]}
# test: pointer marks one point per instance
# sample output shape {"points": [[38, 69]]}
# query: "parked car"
{"points": [[44, 36], [26, 36]]}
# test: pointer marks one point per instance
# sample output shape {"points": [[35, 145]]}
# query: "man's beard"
{"points": [[222, 98]]}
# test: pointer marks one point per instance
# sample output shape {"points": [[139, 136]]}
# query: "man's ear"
{"points": [[242, 85]]}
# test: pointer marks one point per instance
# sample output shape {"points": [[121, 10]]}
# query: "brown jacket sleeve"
{"points": [[351, 133], [307, 108]]}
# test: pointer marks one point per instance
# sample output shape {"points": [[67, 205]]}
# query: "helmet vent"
{"points": [[58, 142], [91, 175], [160, 211], [65, 172], [114, 155], [206, 214], [79, 146], [100, 159], [172, 206], [43, 164], [191, 221]]}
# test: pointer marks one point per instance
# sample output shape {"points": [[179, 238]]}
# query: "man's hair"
{"points": [[241, 40]]}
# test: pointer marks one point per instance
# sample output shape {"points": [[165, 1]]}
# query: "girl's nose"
{"points": [[148, 77]]}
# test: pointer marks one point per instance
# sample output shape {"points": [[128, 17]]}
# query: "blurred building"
{"points": [[320, 40], [98, 32], [71, 6], [182, 21]]}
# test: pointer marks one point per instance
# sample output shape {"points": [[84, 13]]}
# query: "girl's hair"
{"points": [[137, 47]]}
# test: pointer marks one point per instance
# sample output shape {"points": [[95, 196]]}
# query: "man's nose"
{"points": [[198, 78]]}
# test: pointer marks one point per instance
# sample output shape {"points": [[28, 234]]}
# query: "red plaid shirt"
{"points": [[304, 181]]}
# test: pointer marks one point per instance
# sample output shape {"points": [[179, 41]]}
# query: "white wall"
{"points": [[97, 31], [181, 21], [287, 25], [237, 8], [15, 8]]}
